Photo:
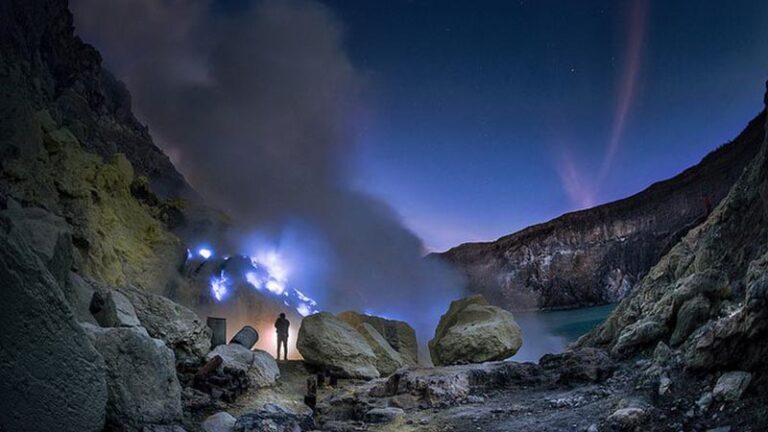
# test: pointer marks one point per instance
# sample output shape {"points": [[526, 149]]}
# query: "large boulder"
{"points": [[387, 359], [400, 335], [260, 367], [180, 328], [141, 377], [472, 331], [51, 373], [330, 343]]}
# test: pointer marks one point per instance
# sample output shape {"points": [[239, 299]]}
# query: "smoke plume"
{"points": [[259, 107]]}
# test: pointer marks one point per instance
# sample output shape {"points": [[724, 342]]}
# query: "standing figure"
{"points": [[282, 325]]}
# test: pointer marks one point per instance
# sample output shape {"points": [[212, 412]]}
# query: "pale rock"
{"points": [[180, 328], [472, 331], [400, 335], [259, 366], [387, 359], [328, 342]]}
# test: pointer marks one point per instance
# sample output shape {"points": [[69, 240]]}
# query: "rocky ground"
{"points": [[575, 391]]}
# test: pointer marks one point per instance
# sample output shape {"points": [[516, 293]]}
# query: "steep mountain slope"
{"points": [[45, 66], [709, 294], [596, 256], [70, 144]]}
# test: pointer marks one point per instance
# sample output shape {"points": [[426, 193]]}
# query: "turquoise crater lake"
{"points": [[546, 332]]}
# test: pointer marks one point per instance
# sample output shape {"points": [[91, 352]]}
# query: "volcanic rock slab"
{"points": [[51, 373], [400, 336], [387, 359], [141, 377]]}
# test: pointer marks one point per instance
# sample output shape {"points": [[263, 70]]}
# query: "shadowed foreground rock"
{"points": [[709, 294], [141, 377], [472, 331], [329, 343], [180, 328], [51, 373]]}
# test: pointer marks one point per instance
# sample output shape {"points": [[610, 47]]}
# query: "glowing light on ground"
{"points": [[205, 253]]}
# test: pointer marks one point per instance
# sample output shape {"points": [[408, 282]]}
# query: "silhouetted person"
{"points": [[282, 325]]}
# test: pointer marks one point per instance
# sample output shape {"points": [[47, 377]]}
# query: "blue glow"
{"points": [[268, 273], [219, 287]]}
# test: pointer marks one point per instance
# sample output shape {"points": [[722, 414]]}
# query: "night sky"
{"points": [[485, 120]]}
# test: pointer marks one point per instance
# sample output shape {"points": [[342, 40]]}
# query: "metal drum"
{"points": [[218, 328], [247, 337]]}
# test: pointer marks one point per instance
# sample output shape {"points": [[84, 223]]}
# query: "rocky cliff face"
{"points": [[70, 144], [708, 294], [596, 256], [44, 66]]}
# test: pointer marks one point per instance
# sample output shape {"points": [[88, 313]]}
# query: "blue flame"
{"points": [[267, 273], [219, 286]]}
